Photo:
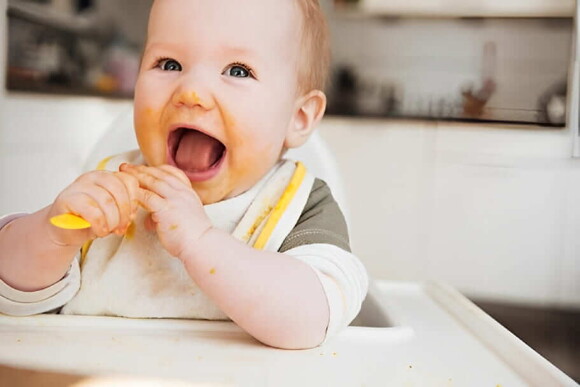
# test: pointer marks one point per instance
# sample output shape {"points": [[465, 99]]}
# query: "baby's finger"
{"points": [[83, 205], [149, 223], [132, 186], [177, 173], [156, 180], [105, 201], [151, 201], [121, 198]]}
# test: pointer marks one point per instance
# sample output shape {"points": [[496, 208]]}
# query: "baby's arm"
{"points": [[276, 298], [34, 254]]}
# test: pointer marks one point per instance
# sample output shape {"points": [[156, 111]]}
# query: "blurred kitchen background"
{"points": [[449, 119]]}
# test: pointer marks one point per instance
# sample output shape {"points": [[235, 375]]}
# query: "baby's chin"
{"points": [[228, 187], [211, 195]]}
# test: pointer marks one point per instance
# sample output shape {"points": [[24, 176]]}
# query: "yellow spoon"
{"points": [[69, 222]]}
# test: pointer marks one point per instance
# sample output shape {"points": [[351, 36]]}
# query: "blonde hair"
{"points": [[314, 59]]}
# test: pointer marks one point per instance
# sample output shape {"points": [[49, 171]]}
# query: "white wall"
{"points": [[44, 143]]}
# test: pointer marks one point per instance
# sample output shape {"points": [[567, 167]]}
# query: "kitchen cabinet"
{"points": [[467, 8], [490, 209]]}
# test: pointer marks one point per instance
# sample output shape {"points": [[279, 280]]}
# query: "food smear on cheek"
{"points": [[151, 141], [249, 158], [228, 119]]}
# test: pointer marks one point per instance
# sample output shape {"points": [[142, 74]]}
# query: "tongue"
{"points": [[197, 152]]}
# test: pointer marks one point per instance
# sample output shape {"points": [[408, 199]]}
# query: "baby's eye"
{"points": [[238, 70], [169, 65]]}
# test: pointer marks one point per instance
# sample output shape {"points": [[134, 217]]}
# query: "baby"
{"points": [[206, 220]]}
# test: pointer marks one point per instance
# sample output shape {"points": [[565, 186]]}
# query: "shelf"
{"points": [[462, 8], [17, 85], [47, 16]]}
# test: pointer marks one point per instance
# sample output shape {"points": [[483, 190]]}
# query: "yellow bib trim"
{"points": [[281, 206], [102, 165]]}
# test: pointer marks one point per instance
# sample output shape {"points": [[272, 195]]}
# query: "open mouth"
{"points": [[195, 153]]}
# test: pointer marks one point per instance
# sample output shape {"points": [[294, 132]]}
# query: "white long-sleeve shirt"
{"points": [[126, 289]]}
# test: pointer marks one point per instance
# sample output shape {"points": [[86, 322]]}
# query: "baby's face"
{"points": [[217, 90]]}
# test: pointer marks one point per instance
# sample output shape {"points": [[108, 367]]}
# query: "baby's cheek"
{"points": [[151, 140], [256, 159]]}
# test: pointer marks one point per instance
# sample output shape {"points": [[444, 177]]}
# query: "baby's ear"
{"points": [[307, 114]]}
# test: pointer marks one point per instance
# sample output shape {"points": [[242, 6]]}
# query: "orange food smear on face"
{"points": [[212, 271], [173, 227], [189, 98], [194, 98], [229, 120], [242, 146], [152, 141]]}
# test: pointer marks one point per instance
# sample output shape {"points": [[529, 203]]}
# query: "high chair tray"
{"points": [[407, 334]]}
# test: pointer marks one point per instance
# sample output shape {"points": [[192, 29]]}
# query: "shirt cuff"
{"points": [[15, 302], [343, 278], [9, 218], [20, 303]]}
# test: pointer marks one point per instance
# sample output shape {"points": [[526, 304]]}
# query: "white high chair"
{"points": [[406, 334]]}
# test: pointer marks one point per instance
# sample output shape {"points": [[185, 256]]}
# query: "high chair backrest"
{"points": [[315, 154]]}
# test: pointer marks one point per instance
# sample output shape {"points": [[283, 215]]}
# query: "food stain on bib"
{"points": [[130, 233]]}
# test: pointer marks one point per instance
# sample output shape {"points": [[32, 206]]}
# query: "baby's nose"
{"points": [[189, 98], [192, 97]]}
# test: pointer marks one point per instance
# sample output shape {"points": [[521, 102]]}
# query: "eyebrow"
{"points": [[242, 51], [169, 45]]}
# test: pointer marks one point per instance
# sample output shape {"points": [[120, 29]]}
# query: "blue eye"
{"points": [[239, 70], [169, 65]]}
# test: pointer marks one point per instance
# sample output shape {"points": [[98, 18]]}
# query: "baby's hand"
{"points": [[176, 210], [108, 200]]}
